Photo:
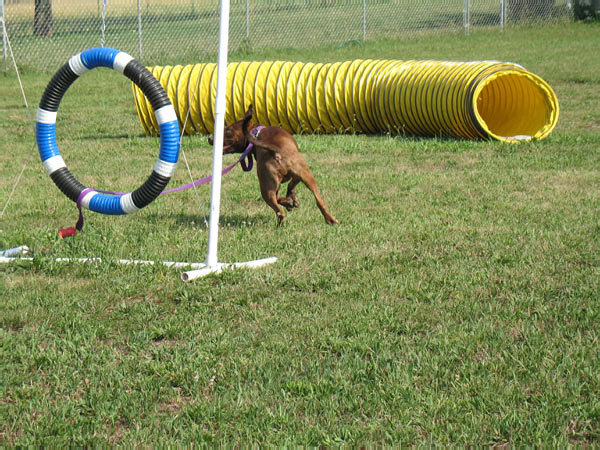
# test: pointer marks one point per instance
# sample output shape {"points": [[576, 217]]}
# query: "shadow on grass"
{"points": [[96, 137], [238, 221], [225, 220]]}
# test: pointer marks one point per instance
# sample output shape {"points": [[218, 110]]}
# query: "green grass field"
{"points": [[456, 303]]}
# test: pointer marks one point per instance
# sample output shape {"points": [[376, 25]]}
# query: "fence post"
{"points": [[467, 15], [247, 23], [3, 31], [364, 20], [139, 11], [502, 14]]}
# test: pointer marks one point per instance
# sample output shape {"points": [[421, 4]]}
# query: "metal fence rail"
{"points": [[44, 33]]}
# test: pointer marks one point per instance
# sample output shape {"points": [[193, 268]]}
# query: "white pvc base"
{"points": [[20, 250], [219, 267], [199, 269], [170, 264]]}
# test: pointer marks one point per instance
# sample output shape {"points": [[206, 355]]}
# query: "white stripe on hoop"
{"points": [[127, 204], [54, 163], [121, 60], [77, 65], [165, 114], [44, 116], [85, 201], [166, 169]]}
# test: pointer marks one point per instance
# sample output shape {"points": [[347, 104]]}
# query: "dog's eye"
{"points": [[228, 133]]}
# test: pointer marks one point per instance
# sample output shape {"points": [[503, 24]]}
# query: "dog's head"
{"points": [[233, 136]]}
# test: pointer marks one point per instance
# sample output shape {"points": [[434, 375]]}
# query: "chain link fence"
{"points": [[44, 33]]}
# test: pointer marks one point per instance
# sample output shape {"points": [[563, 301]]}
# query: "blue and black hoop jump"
{"points": [[165, 115]]}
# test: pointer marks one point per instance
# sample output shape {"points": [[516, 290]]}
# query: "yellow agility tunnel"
{"points": [[470, 100]]}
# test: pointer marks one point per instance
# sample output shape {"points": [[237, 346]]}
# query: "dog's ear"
{"points": [[249, 112]]}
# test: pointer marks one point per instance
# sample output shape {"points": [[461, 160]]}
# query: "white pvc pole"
{"points": [[247, 22], [215, 191], [467, 15], [139, 11], [212, 265], [3, 34], [364, 20]]}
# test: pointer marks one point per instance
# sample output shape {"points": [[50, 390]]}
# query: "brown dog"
{"points": [[277, 161]]}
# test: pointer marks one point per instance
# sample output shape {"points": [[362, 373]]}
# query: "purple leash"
{"points": [[246, 167], [72, 231]]}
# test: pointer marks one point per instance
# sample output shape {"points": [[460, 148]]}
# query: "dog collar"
{"points": [[256, 131], [250, 149]]}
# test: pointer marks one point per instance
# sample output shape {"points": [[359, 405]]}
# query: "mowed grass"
{"points": [[456, 303]]}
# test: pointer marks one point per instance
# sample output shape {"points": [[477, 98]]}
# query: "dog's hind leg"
{"points": [[309, 180], [289, 201]]}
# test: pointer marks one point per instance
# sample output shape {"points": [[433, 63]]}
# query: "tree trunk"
{"points": [[42, 20]]}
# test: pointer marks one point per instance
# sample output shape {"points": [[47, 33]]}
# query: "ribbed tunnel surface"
{"points": [[471, 100]]}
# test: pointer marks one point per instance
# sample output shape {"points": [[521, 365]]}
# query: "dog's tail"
{"points": [[248, 136]]}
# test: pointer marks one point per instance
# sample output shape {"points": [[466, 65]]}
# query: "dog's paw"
{"points": [[280, 219], [288, 203], [332, 221]]}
